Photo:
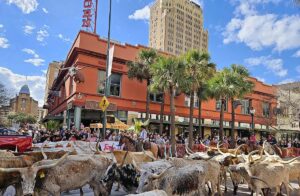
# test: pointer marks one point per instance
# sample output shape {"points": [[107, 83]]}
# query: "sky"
{"points": [[263, 35]]}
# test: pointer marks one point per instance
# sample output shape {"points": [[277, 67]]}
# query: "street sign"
{"points": [[103, 104]]}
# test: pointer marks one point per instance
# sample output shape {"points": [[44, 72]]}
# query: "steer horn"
{"points": [[287, 162], [218, 147], [250, 159], [52, 164], [265, 150], [237, 149], [156, 176], [10, 170], [43, 153]]}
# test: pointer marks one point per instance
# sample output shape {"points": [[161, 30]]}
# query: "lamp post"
{"points": [[252, 112], [106, 89]]}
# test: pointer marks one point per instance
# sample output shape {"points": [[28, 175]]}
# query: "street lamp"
{"points": [[252, 112]]}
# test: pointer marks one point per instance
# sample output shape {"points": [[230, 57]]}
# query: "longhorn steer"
{"points": [[263, 175], [188, 180], [77, 171]]}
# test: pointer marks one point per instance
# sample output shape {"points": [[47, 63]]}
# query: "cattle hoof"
{"points": [[225, 189]]}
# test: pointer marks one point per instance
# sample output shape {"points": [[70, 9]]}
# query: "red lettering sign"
{"points": [[87, 3], [87, 13]]}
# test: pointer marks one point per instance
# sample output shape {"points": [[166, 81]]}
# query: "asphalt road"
{"points": [[242, 191]]}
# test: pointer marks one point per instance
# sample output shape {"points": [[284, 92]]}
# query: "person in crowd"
{"points": [[144, 134]]}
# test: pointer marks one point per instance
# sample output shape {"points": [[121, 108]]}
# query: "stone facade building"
{"points": [[176, 26], [24, 103]]}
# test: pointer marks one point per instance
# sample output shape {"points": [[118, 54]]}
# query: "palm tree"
{"points": [[221, 89], [167, 75], [203, 95], [140, 70], [242, 86], [198, 70]]}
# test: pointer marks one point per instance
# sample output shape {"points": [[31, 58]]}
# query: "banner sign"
{"points": [[110, 146], [87, 13]]}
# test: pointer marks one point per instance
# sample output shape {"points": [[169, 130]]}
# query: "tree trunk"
{"points": [[232, 144], [199, 115], [172, 105], [162, 109], [221, 131], [201, 134], [191, 123], [147, 100]]}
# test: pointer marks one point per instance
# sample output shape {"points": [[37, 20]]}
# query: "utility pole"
{"points": [[106, 89]]}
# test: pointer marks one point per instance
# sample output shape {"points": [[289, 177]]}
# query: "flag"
{"points": [[111, 57]]}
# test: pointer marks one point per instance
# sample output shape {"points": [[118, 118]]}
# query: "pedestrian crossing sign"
{"points": [[103, 104]]}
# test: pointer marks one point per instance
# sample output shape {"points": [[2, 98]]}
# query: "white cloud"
{"points": [[261, 79], [42, 33], [297, 54], [259, 31], [273, 65], [28, 30], [1, 26], [45, 10], [36, 60], [15, 81], [4, 42], [65, 39], [27, 6], [141, 14], [286, 81]]}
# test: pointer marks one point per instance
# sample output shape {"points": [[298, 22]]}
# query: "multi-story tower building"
{"points": [[177, 26], [51, 75]]}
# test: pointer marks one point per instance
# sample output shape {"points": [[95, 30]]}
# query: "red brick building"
{"points": [[78, 102]]}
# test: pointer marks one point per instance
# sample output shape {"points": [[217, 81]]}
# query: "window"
{"points": [[187, 101], [156, 97], [23, 104], [266, 109], [218, 105], [115, 83], [245, 106]]}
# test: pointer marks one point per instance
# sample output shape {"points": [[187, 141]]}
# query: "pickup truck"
{"points": [[11, 140]]}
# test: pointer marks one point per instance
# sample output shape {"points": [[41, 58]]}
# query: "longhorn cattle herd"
{"points": [[140, 173]]}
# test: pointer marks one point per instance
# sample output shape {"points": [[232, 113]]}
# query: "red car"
{"points": [[10, 140]]}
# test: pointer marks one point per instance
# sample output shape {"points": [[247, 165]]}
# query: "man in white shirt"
{"points": [[144, 133]]}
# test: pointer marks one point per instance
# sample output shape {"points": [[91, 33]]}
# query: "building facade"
{"points": [[176, 26], [4, 112], [51, 75], [24, 103], [288, 115], [79, 102]]}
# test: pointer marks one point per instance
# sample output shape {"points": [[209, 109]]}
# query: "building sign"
{"points": [[87, 13], [94, 105]]}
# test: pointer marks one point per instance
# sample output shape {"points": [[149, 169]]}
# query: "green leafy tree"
{"points": [[167, 75], [198, 70], [52, 125], [140, 70], [22, 118], [242, 86]]}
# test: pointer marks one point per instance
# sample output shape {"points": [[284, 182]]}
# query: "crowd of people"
{"points": [[86, 134]]}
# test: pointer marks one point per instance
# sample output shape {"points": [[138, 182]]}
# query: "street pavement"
{"points": [[242, 191]]}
